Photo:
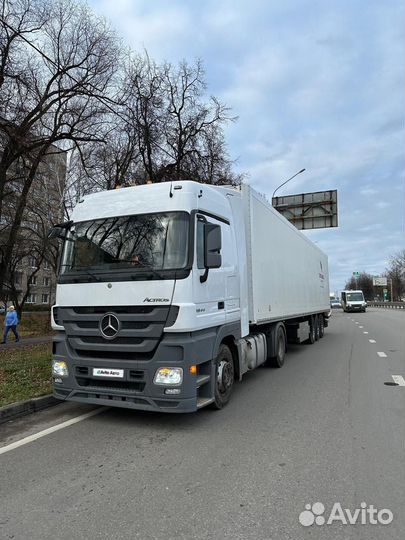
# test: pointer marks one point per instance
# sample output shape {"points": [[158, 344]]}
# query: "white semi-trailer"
{"points": [[169, 292]]}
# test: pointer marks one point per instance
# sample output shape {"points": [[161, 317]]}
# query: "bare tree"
{"points": [[364, 283], [189, 118], [57, 71], [396, 274], [145, 108], [65, 85]]}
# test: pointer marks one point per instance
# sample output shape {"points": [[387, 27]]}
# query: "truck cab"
{"points": [[148, 288]]}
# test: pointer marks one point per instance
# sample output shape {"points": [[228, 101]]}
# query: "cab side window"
{"points": [[200, 243]]}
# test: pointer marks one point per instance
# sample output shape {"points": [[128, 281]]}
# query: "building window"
{"points": [[18, 278], [46, 281], [32, 262], [31, 299], [45, 298], [32, 280], [46, 265]]}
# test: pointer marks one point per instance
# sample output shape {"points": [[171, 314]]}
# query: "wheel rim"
{"points": [[224, 376]]}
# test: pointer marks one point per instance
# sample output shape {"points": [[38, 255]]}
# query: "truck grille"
{"points": [[141, 329]]}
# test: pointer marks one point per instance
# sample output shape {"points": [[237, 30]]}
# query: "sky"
{"points": [[315, 84]]}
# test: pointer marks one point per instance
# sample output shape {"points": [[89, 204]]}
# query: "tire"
{"points": [[311, 335], [224, 377], [321, 326], [316, 326], [278, 360]]}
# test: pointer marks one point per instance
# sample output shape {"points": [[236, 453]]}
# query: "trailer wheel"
{"points": [[224, 377], [311, 335], [316, 326], [280, 348], [321, 326]]}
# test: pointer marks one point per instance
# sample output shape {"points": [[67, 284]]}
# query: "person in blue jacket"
{"points": [[10, 323]]}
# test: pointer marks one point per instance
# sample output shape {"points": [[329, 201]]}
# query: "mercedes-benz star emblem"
{"points": [[109, 326]]}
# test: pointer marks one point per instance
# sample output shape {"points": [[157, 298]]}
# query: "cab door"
{"points": [[215, 290]]}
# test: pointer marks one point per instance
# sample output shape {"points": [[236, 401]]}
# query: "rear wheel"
{"points": [[278, 360], [311, 335], [316, 325], [224, 377], [321, 326]]}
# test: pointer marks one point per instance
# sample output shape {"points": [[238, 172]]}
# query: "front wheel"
{"points": [[224, 377]]}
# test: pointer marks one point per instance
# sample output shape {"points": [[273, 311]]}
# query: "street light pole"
{"points": [[284, 183]]}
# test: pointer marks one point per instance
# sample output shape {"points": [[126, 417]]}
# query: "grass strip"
{"points": [[25, 373]]}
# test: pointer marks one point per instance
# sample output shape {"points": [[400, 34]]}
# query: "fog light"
{"points": [[59, 368], [172, 391], [168, 375]]}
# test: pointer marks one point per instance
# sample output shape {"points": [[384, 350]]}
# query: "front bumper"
{"points": [[136, 389], [356, 308], [143, 403]]}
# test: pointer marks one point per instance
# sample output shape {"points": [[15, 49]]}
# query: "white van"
{"points": [[353, 301]]}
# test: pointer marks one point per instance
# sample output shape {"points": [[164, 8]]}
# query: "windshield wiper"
{"points": [[83, 269], [144, 266]]}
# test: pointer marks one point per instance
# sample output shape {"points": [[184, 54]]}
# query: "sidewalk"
{"points": [[11, 344]]}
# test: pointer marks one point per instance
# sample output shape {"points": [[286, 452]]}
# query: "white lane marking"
{"points": [[399, 380], [361, 326], [382, 355], [365, 332], [357, 322], [372, 341], [52, 429]]}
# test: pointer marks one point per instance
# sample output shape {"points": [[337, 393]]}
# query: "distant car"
{"points": [[335, 304]]}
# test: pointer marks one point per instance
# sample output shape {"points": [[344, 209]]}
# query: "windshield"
{"points": [[355, 297], [132, 244]]}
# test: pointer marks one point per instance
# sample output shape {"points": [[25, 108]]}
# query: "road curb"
{"points": [[21, 408]]}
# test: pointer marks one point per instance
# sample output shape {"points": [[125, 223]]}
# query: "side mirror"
{"points": [[60, 230], [212, 245]]}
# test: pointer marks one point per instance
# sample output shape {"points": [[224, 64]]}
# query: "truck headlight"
{"points": [[167, 375], [59, 368]]}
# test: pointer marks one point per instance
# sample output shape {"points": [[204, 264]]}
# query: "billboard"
{"points": [[316, 210], [380, 281]]}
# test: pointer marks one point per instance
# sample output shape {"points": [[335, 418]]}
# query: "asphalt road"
{"points": [[325, 428]]}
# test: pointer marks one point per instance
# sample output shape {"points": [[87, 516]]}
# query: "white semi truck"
{"points": [[168, 293]]}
